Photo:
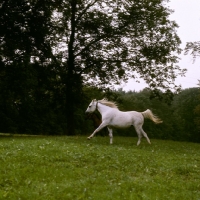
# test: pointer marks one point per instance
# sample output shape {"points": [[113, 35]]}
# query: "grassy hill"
{"points": [[51, 168]]}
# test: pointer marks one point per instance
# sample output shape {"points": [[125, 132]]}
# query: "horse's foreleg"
{"points": [[110, 135], [102, 125]]}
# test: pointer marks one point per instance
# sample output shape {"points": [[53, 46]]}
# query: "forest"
{"points": [[181, 116]]}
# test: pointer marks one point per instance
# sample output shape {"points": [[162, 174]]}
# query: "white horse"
{"points": [[112, 117]]}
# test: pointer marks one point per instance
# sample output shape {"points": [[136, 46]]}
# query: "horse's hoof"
{"points": [[88, 138]]}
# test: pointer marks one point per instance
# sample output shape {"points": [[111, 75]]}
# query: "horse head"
{"points": [[92, 106]]}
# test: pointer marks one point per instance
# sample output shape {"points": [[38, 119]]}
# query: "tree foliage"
{"points": [[193, 48], [113, 41]]}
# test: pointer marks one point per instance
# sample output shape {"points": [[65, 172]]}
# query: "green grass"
{"points": [[34, 168]]}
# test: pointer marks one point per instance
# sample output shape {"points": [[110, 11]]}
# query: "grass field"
{"points": [[34, 168]]}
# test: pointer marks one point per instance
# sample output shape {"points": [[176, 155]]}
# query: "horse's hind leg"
{"points": [[145, 135], [141, 133]]}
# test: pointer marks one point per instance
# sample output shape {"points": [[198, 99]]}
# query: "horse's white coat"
{"points": [[114, 118]]}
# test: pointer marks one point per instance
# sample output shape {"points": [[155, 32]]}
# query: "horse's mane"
{"points": [[108, 103]]}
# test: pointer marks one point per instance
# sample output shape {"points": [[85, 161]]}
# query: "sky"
{"points": [[187, 16]]}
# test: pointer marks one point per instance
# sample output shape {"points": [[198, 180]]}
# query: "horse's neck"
{"points": [[102, 108]]}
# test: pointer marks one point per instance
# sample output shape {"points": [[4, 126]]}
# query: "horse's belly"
{"points": [[121, 123], [122, 126]]}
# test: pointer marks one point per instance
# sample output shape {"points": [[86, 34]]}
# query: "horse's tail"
{"points": [[148, 114]]}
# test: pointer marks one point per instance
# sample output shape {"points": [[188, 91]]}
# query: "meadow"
{"points": [[37, 168]]}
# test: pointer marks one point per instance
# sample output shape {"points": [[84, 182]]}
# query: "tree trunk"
{"points": [[70, 75], [70, 105]]}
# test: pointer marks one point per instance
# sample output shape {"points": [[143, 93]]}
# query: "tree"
{"points": [[194, 48]]}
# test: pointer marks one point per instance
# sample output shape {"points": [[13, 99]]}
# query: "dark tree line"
{"points": [[180, 118]]}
